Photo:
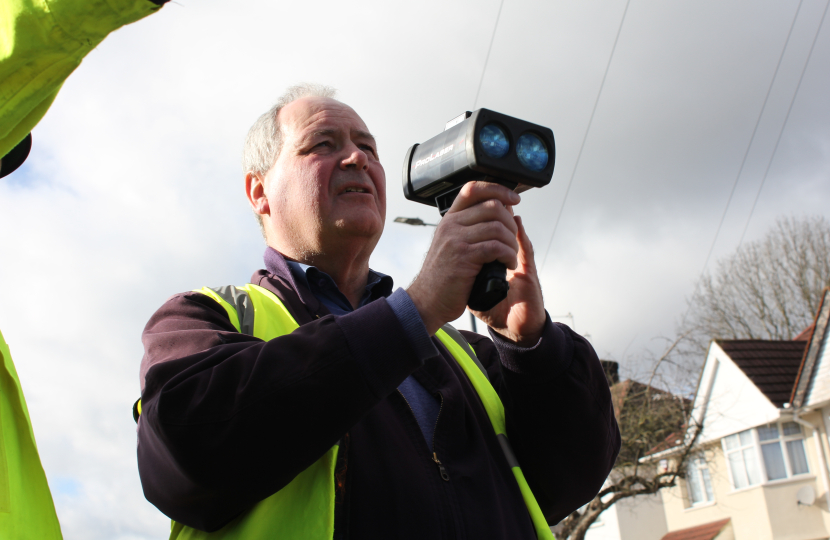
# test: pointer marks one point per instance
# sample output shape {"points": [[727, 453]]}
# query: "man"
{"points": [[231, 424]]}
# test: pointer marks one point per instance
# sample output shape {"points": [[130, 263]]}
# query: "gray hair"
{"points": [[264, 140]]}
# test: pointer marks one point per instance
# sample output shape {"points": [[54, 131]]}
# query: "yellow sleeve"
{"points": [[41, 44], [26, 507]]}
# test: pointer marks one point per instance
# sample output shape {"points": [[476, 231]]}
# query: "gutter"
{"points": [[822, 459], [668, 452]]}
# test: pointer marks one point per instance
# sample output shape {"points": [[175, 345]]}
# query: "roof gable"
{"points": [[727, 400], [772, 366]]}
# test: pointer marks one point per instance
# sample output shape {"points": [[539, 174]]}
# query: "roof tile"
{"points": [[771, 365], [707, 531]]}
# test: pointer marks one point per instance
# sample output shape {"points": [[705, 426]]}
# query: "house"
{"points": [[760, 469], [641, 517], [636, 518]]}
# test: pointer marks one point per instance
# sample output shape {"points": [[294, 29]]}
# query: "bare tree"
{"points": [[768, 289], [651, 420]]}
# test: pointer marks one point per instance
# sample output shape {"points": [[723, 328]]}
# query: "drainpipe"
{"points": [[819, 452]]}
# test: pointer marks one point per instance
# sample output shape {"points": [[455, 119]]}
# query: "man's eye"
{"points": [[368, 148], [322, 144]]}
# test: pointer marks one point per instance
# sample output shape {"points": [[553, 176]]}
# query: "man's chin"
{"points": [[359, 228]]}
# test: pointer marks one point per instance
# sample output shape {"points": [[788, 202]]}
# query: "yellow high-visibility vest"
{"points": [[304, 509], [41, 44], [26, 507]]}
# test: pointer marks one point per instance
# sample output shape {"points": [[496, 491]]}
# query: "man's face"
{"points": [[327, 187]]}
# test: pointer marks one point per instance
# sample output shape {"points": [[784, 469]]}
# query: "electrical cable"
{"points": [[487, 58], [740, 169], [585, 138], [784, 125]]}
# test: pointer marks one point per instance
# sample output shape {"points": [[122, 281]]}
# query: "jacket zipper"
{"points": [[452, 520], [441, 470], [444, 475]]}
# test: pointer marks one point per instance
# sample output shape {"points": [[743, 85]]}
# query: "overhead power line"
{"points": [[751, 140], [487, 58], [786, 119], [585, 138], [743, 162]]}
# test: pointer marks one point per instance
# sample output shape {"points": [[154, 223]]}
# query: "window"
{"points": [[794, 445], [742, 458], [699, 482], [771, 450], [781, 451]]}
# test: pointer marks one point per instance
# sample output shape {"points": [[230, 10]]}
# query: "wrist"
{"points": [[431, 323], [407, 314], [524, 340]]}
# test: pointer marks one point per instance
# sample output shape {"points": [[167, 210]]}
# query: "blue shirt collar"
{"points": [[323, 287]]}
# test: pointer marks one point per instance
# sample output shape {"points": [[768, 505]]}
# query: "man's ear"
{"points": [[255, 190]]}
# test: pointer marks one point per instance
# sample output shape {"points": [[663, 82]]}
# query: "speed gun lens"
{"points": [[532, 152], [493, 141]]}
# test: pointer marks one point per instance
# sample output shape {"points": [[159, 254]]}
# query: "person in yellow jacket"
{"points": [[41, 44], [26, 508]]}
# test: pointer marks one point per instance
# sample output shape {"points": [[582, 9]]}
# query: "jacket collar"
{"points": [[278, 278]]}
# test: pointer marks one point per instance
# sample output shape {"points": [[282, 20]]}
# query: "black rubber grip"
{"points": [[490, 287]]}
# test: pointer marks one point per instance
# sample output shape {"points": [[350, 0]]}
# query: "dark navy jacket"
{"points": [[228, 419]]}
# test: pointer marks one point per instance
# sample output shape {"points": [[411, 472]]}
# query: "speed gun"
{"points": [[480, 145]]}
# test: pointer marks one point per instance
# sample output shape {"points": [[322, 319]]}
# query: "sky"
{"points": [[133, 191]]}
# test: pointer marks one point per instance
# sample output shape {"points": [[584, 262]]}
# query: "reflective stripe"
{"points": [[508, 451], [304, 509], [495, 411], [486, 393], [458, 338], [543, 531], [241, 302]]}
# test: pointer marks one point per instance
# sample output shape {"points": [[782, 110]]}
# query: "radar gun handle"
{"points": [[490, 287]]}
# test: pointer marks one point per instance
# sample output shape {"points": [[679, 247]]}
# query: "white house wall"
{"points": [[642, 518], [734, 404], [634, 518], [608, 527]]}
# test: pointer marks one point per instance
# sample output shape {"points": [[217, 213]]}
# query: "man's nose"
{"points": [[356, 159]]}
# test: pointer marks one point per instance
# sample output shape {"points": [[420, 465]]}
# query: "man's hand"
{"points": [[521, 316], [480, 228]]}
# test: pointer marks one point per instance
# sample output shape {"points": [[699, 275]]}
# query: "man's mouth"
{"points": [[355, 190]]}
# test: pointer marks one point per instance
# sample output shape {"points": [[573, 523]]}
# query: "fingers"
{"points": [[491, 241], [484, 212], [479, 228], [487, 210], [526, 254], [479, 191], [486, 228]]}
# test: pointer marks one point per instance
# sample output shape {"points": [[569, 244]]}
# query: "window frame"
{"points": [[781, 440], [699, 457], [754, 447], [784, 439], [769, 442]]}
